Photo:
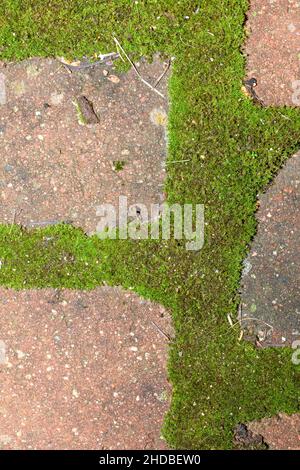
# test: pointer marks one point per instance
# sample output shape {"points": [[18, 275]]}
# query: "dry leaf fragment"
{"points": [[114, 79]]}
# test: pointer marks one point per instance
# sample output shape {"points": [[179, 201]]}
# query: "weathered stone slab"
{"points": [[271, 290], [82, 370], [272, 50]]}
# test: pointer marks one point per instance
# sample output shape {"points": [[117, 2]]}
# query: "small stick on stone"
{"points": [[136, 70], [161, 331], [14, 218]]}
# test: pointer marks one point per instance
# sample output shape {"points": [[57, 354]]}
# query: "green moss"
{"points": [[118, 165], [80, 116], [231, 149]]}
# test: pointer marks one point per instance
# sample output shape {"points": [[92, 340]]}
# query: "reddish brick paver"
{"points": [[273, 50], [281, 432], [54, 169], [82, 370], [271, 275], [270, 282]]}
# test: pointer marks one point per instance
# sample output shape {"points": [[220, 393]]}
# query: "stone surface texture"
{"points": [[271, 294], [82, 370], [272, 49], [53, 168]]}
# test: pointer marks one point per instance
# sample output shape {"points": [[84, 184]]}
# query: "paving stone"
{"points": [[280, 432], [82, 370], [271, 292], [52, 167], [272, 50]]}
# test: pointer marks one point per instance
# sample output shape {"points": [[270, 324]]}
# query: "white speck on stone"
{"points": [[75, 393], [56, 98], [133, 349], [292, 28], [114, 79], [20, 354], [158, 116]]}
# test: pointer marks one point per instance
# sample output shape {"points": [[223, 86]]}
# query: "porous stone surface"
{"points": [[281, 432], [270, 308], [53, 167], [82, 370]]}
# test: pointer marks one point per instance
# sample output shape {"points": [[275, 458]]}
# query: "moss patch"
{"points": [[231, 150]]}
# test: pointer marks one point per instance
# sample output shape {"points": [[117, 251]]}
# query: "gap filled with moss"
{"points": [[231, 148]]}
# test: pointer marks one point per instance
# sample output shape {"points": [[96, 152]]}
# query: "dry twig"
{"points": [[136, 70], [168, 337], [163, 74]]}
